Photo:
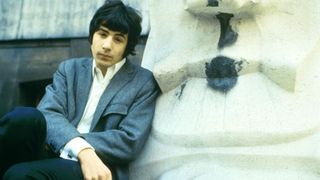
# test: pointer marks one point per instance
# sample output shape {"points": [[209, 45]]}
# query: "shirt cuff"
{"points": [[73, 147]]}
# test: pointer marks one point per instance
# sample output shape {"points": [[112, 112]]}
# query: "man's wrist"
{"points": [[74, 147], [86, 154]]}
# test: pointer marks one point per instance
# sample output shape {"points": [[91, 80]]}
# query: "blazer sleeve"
{"points": [[121, 145], [54, 108]]}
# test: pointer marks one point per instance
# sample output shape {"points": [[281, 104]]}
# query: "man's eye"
{"points": [[118, 39], [103, 34]]}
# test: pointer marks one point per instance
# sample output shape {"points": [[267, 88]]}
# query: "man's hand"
{"points": [[92, 167]]}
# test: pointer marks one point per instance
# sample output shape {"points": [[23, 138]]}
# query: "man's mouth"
{"points": [[104, 56]]}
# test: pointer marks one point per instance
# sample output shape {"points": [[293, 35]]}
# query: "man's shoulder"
{"points": [[144, 77], [141, 71], [75, 64]]}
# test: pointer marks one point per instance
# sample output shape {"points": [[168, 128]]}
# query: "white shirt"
{"points": [[99, 84]]}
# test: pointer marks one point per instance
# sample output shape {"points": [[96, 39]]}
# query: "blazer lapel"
{"points": [[121, 78], [83, 88]]}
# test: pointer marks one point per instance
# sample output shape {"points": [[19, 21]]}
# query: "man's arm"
{"points": [[121, 145], [62, 135], [55, 108]]}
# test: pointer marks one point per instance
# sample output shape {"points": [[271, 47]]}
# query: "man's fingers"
{"points": [[106, 174], [97, 173], [92, 167]]}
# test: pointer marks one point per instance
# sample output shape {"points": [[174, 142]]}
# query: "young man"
{"points": [[95, 116]]}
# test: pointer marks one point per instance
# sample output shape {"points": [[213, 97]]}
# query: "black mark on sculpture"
{"points": [[227, 35], [183, 85], [222, 73]]}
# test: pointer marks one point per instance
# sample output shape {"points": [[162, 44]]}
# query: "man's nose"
{"points": [[107, 43]]}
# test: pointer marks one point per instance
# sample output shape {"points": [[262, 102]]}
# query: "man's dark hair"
{"points": [[118, 17]]}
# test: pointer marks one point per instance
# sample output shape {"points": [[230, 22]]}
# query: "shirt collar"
{"points": [[112, 69]]}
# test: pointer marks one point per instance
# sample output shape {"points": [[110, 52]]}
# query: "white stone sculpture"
{"points": [[267, 125]]}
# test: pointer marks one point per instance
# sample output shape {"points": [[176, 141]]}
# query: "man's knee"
{"points": [[23, 133], [23, 117], [23, 114]]}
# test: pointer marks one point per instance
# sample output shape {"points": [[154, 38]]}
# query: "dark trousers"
{"points": [[23, 154]]}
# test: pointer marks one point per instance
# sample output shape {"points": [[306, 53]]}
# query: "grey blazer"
{"points": [[123, 117]]}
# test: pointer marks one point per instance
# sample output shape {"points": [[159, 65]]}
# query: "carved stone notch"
{"points": [[227, 36], [213, 3]]}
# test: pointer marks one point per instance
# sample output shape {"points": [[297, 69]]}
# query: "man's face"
{"points": [[108, 47]]}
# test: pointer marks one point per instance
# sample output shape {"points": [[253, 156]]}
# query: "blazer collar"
{"points": [[120, 79], [83, 88]]}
